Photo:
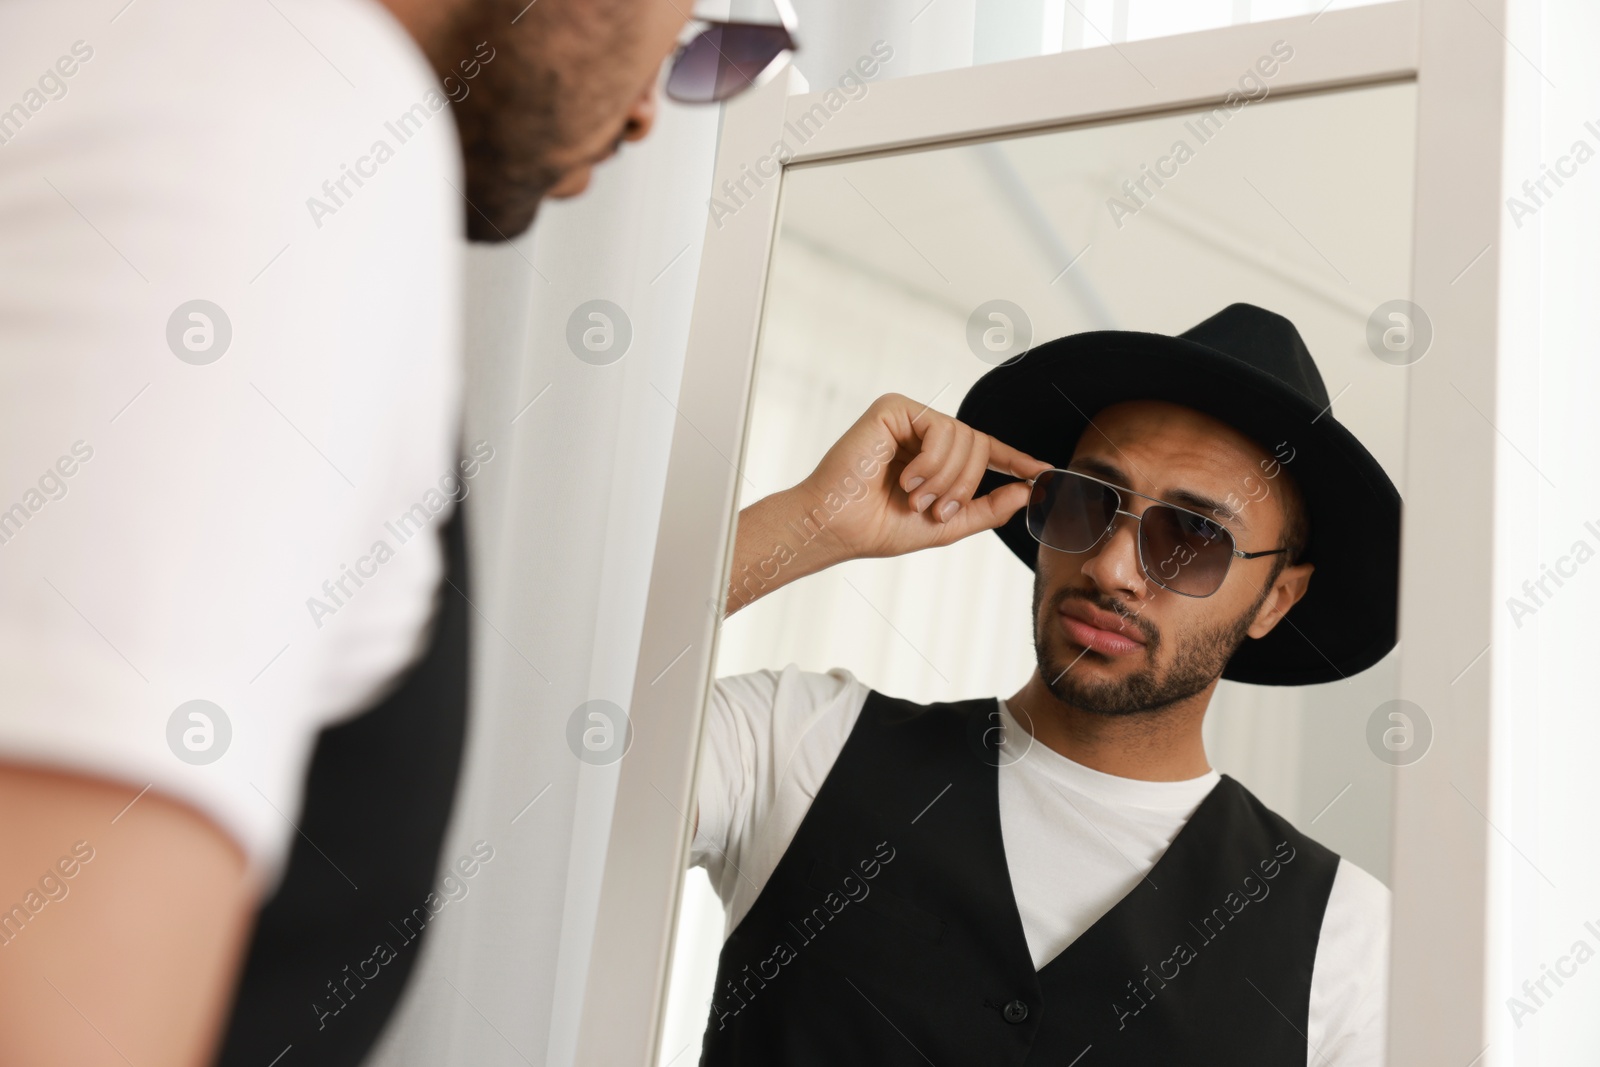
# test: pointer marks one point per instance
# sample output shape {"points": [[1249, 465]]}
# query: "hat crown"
{"points": [[1266, 341]]}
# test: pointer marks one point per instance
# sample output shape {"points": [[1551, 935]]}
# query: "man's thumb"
{"points": [[995, 509]]}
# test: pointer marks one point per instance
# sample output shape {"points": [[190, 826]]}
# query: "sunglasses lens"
{"points": [[724, 60], [1185, 552], [1068, 512]]}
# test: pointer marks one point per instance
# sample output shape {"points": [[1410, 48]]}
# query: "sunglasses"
{"points": [[1179, 549], [726, 57]]}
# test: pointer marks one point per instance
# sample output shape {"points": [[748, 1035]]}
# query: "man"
{"points": [[229, 360], [1060, 874]]}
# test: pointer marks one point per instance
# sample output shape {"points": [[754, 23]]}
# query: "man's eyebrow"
{"points": [[1212, 508], [1188, 498], [1100, 468]]}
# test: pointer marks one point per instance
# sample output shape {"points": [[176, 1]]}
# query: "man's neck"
{"points": [[1164, 745]]}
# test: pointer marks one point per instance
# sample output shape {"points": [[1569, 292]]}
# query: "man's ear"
{"points": [[1287, 589]]}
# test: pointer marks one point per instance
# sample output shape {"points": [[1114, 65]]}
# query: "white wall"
{"points": [[1550, 748]]}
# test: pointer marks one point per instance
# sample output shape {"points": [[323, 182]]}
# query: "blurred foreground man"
{"points": [[233, 620]]}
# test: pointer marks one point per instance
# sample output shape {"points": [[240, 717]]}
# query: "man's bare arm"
{"points": [[775, 520], [133, 955]]}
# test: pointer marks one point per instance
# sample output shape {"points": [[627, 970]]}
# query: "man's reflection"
{"points": [[1061, 873]]}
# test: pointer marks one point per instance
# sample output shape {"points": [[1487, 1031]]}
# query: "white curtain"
{"points": [[562, 527]]}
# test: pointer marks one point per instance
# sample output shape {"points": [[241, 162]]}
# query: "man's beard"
{"points": [[517, 112], [1199, 661]]}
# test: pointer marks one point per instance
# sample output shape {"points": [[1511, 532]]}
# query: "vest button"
{"points": [[1015, 1012]]}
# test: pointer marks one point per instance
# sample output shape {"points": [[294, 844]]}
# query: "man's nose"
{"points": [[1114, 563]]}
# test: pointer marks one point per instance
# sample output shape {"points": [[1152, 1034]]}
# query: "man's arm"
{"points": [[119, 941], [899, 480]]}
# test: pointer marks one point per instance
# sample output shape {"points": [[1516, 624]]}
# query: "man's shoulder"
{"points": [[1361, 884], [1279, 826], [310, 49], [1352, 882], [239, 98], [1361, 898], [792, 706], [1353, 944], [790, 684]]}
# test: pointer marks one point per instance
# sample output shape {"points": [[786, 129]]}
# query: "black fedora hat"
{"points": [[1248, 368]]}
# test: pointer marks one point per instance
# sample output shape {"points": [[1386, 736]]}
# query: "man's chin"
{"points": [[502, 199], [483, 230], [1097, 683], [504, 225]]}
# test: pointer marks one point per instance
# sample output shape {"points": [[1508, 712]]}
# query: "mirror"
{"points": [[918, 271]]}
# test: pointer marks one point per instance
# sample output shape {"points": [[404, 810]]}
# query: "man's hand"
{"points": [[885, 488], [906, 474]]}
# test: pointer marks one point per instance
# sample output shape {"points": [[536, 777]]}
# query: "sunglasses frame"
{"points": [[1234, 552], [786, 18]]}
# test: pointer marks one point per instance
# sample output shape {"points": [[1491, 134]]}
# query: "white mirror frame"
{"points": [[1449, 866]]}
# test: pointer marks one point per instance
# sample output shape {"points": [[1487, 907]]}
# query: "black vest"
{"points": [[888, 933], [378, 798]]}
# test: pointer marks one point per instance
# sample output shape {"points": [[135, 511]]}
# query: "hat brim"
{"points": [[1348, 619]]}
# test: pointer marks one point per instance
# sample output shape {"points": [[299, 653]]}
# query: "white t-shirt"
{"points": [[170, 507], [771, 737]]}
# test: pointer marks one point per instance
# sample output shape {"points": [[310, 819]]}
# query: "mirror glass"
{"points": [[884, 265]]}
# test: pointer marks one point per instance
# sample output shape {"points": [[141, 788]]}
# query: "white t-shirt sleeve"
{"points": [[770, 739], [178, 481], [1350, 979]]}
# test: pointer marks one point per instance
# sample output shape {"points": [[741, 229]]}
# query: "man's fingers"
{"points": [[933, 443], [965, 482], [986, 454], [946, 484], [1007, 460], [988, 511], [950, 462]]}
